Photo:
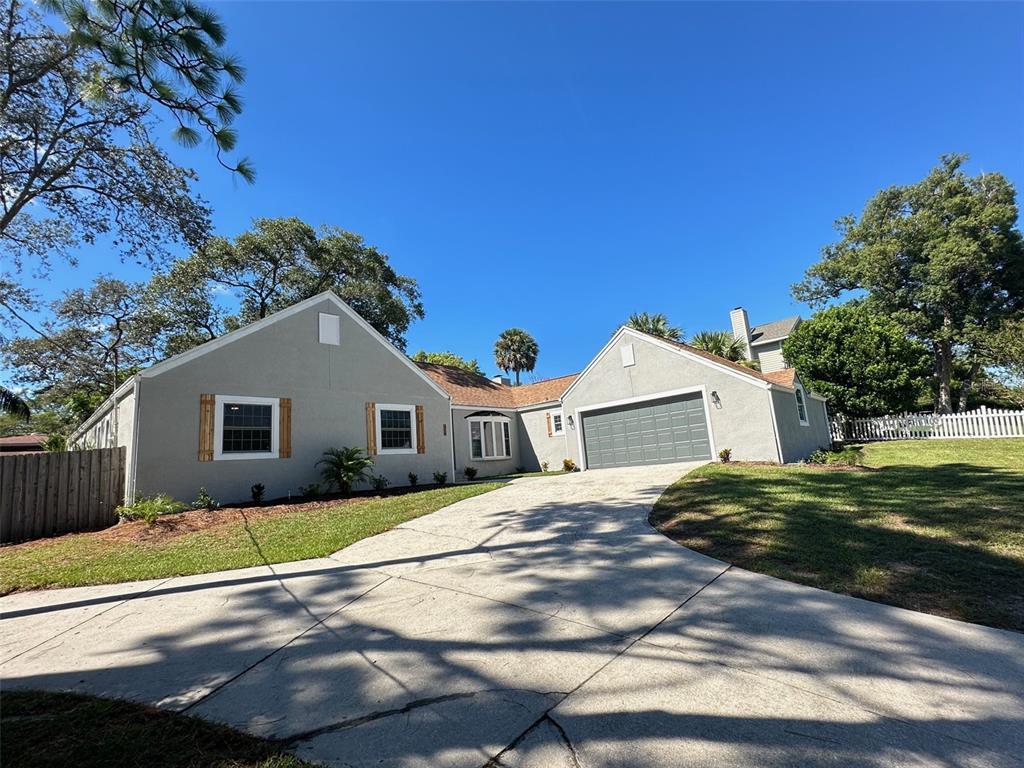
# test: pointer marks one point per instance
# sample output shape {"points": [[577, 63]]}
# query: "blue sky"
{"points": [[558, 166]]}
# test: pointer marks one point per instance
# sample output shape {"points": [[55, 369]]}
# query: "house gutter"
{"points": [[775, 426]]}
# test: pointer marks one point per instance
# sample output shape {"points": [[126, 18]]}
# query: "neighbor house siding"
{"points": [[484, 467], [329, 387], [799, 441], [536, 446], [741, 421], [112, 425], [770, 356]]}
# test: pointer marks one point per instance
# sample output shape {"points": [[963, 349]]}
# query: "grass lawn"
{"points": [[106, 557], [55, 730], [932, 525]]}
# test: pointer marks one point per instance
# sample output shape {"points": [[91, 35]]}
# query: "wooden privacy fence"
{"points": [[46, 494], [984, 422]]}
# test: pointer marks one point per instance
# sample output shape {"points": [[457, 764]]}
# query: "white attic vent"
{"points": [[330, 329], [627, 355]]}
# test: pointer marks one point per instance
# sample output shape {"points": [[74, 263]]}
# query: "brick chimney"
{"points": [[741, 328]]}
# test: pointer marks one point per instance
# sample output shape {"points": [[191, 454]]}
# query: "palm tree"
{"points": [[723, 344], [655, 325], [344, 467], [12, 403], [516, 350]]}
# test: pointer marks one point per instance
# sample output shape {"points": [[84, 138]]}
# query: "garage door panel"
{"points": [[650, 433]]}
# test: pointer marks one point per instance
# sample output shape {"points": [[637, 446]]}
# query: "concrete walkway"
{"points": [[542, 625]]}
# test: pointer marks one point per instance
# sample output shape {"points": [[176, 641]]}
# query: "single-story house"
{"points": [[261, 404], [31, 443]]}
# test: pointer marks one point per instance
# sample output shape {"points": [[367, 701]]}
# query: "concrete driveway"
{"points": [[543, 625]]}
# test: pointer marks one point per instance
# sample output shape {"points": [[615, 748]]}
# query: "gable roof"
{"points": [[468, 388], [786, 377], [173, 362], [773, 331], [749, 372]]}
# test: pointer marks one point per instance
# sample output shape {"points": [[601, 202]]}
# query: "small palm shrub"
{"points": [[205, 501], [725, 455], [379, 483], [568, 465], [440, 478], [343, 468], [414, 479], [149, 508], [258, 492], [469, 472]]}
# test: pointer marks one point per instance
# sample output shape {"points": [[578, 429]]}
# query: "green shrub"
{"points": [[149, 508], [312, 491], [205, 501], [414, 479], [469, 472], [845, 456], [345, 467], [379, 483], [568, 465], [544, 466], [725, 455], [258, 492], [440, 478]]}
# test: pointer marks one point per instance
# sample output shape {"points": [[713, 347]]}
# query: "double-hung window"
{"points": [[490, 438], [396, 428], [556, 423], [801, 407], [246, 427]]}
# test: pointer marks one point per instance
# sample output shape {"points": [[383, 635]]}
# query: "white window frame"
{"points": [[497, 437], [801, 405], [560, 429], [411, 409], [218, 427]]}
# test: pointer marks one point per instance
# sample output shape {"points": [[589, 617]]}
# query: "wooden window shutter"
{"points": [[421, 437], [284, 437], [548, 417], [207, 406], [371, 429]]}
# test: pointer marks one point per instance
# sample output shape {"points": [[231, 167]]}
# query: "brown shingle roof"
{"points": [[786, 377], [713, 358], [467, 388]]}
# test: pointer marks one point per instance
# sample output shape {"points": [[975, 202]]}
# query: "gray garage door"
{"points": [[654, 432]]}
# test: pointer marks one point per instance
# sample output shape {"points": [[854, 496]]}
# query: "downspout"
{"points": [[775, 426], [451, 424]]}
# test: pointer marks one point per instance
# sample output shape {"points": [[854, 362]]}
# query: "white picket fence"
{"points": [[984, 422]]}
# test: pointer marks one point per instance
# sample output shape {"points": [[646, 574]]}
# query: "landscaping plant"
{"points": [[257, 492], [469, 472], [379, 483], [725, 455], [440, 478], [568, 465], [345, 467], [205, 501], [149, 508], [414, 479], [311, 491]]}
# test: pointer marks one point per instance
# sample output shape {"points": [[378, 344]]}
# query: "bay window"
{"points": [[490, 438]]}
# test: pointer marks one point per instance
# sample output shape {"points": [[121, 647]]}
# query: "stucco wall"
{"points": [[329, 387], [799, 441], [484, 467], [536, 446], [741, 421]]}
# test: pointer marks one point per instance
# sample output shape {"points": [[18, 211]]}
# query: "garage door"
{"points": [[653, 432]]}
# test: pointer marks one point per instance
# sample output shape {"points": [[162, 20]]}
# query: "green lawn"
{"points": [[92, 558], [932, 525], [56, 730]]}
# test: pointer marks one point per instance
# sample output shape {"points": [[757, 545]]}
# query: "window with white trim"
{"points": [[556, 423], [396, 428], [490, 438], [246, 427], [801, 407]]}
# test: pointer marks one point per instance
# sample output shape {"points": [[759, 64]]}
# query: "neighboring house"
{"points": [[763, 343], [261, 404], [33, 443]]}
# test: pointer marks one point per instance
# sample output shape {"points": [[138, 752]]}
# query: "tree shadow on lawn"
{"points": [[945, 539]]}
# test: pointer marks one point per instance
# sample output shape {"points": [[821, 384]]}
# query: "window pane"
{"points": [[556, 420], [476, 445], [489, 438], [800, 409], [395, 429], [508, 439], [247, 428]]}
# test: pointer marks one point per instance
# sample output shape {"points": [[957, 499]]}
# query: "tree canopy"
{"points": [[656, 324], [450, 359], [723, 344], [516, 351], [860, 359], [943, 258]]}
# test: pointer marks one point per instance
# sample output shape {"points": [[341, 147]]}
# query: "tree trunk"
{"points": [[967, 386], [944, 374], [517, 377]]}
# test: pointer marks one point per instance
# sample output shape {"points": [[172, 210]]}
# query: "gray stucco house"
{"points": [[261, 404]]}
